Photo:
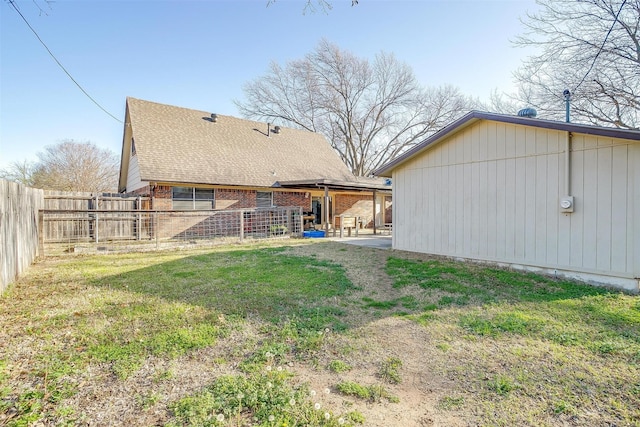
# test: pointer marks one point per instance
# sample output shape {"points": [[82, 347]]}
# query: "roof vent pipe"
{"points": [[268, 129], [276, 129], [214, 117], [567, 101], [528, 112]]}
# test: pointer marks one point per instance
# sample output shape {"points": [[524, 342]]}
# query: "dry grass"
{"points": [[188, 337]]}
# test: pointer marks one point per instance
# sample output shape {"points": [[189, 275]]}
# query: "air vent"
{"points": [[528, 112]]}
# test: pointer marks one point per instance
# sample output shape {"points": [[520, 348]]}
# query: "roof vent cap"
{"points": [[214, 117], [528, 112], [276, 129]]}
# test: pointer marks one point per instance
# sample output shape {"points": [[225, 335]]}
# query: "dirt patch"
{"points": [[423, 385]]}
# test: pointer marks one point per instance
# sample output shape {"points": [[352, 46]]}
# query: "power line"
{"points": [[12, 3], [602, 46]]}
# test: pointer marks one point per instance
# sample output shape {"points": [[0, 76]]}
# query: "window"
{"points": [[264, 199], [188, 198]]}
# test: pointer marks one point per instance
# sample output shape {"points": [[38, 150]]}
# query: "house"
{"points": [[195, 160], [554, 197]]}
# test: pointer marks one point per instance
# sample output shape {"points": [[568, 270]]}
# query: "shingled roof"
{"points": [[180, 145]]}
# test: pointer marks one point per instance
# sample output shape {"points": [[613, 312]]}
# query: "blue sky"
{"points": [[198, 54]]}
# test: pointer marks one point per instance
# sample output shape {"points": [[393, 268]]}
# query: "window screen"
{"points": [[263, 199], [188, 198]]}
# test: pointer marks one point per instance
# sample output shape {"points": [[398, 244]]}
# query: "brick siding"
{"points": [[355, 205], [233, 198], [388, 210], [281, 198], [161, 198]]}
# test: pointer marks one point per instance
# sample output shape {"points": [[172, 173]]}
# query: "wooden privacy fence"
{"points": [[30, 217], [19, 206], [76, 200], [109, 226]]}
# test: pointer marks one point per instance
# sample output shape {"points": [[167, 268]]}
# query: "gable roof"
{"points": [[181, 145], [474, 116]]}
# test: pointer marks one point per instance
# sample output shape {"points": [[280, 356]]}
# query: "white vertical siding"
{"points": [[492, 190], [133, 176]]}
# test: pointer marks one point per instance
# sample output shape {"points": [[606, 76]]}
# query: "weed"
{"points": [[502, 385], [147, 400], [448, 403], [266, 396], [562, 407], [356, 417], [443, 346], [351, 388], [390, 370], [338, 366], [372, 392]]}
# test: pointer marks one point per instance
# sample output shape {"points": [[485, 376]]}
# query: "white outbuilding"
{"points": [[554, 197]]}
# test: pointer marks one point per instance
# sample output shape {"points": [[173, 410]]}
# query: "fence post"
{"points": [[156, 222], [241, 225], [287, 221], [41, 232], [139, 218], [96, 223], [301, 222]]}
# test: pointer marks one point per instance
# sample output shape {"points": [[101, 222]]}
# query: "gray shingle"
{"points": [[175, 144]]}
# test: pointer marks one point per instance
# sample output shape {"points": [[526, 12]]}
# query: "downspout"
{"points": [[567, 165], [566, 201]]}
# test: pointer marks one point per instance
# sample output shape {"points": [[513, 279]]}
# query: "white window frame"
{"points": [[193, 203]]}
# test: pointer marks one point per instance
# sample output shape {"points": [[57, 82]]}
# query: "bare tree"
{"points": [[75, 166], [314, 5], [21, 172], [592, 48], [501, 102], [370, 112]]}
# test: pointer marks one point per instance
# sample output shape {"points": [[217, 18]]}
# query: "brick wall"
{"points": [[246, 199], [235, 199], [281, 198], [355, 205], [142, 191], [388, 210], [161, 198], [232, 198]]}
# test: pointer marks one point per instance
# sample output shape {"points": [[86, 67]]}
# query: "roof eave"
{"points": [[335, 184], [474, 116]]}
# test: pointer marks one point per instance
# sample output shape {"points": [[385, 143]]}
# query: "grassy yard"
{"points": [[312, 333]]}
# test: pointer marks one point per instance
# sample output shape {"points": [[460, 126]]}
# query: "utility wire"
{"points": [[602, 46], [12, 3]]}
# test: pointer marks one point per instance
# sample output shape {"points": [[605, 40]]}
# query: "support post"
{"points": [[301, 220], [241, 226], [374, 211], [326, 210]]}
